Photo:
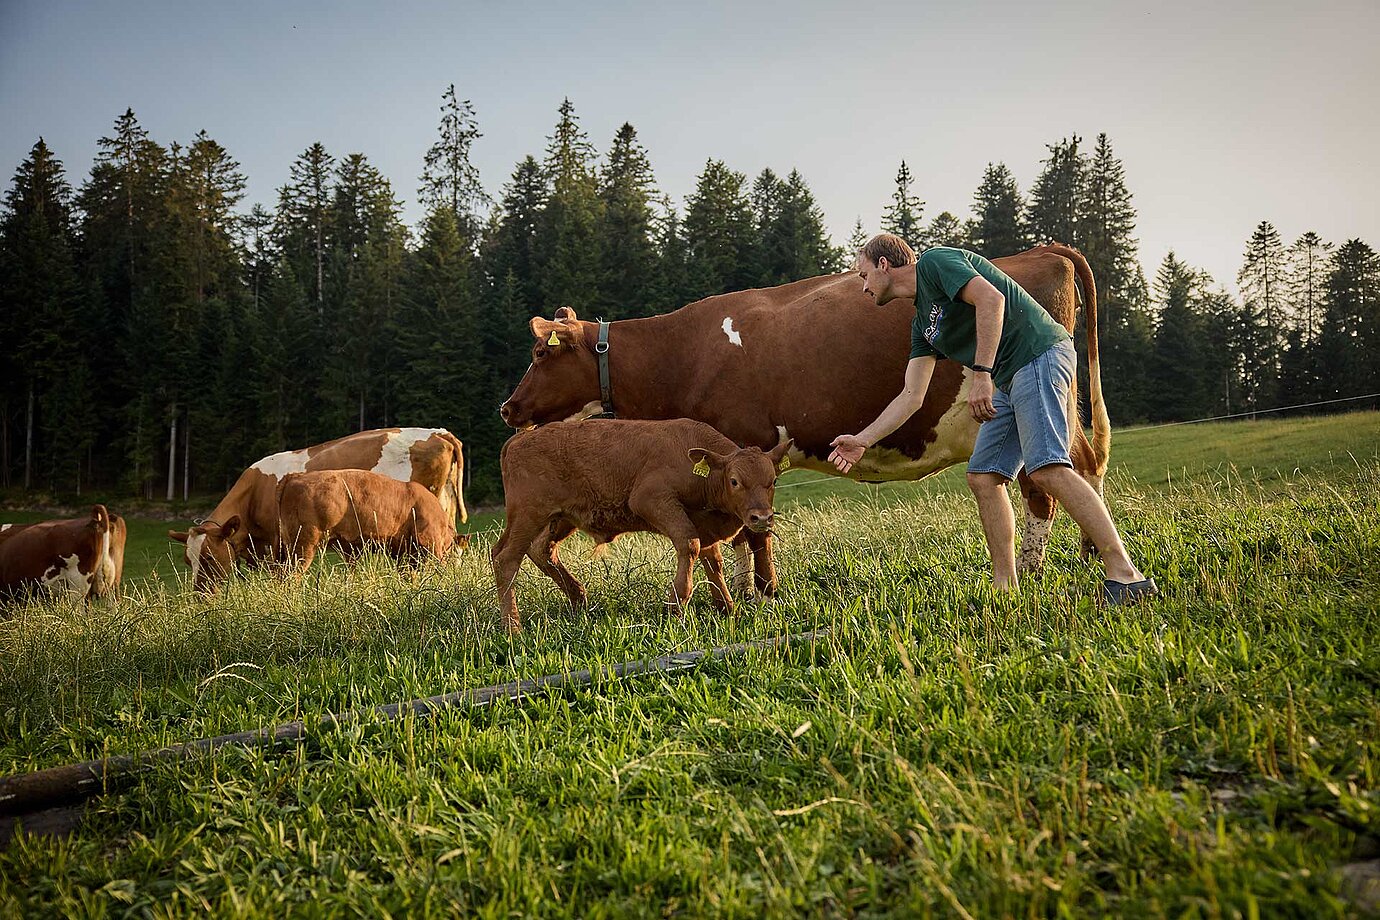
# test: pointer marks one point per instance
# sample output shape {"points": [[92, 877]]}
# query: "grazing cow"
{"points": [[352, 508], [82, 556], [245, 523], [680, 478], [808, 360]]}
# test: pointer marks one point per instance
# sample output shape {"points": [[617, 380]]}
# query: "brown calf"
{"points": [[349, 508], [82, 556], [680, 478]]}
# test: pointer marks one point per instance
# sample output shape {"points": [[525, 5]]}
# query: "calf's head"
{"points": [[211, 551], [563, 378], [743, 483]]}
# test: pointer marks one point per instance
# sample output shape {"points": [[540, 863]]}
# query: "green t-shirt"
{"points": [[946, 326]]}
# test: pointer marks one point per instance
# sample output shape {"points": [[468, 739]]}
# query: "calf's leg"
{"points": [[712, 561], [544, 554], [507, 559], [664, 514]]}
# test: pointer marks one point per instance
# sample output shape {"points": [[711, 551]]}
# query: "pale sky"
{"points": [[1224, 114]]}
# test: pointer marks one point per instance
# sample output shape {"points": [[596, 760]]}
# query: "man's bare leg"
{"points": [[999, 526], [1087, 509]]}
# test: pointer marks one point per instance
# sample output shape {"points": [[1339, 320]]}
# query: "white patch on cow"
{"points": [[280, 464], [742, 569], [395, 461], [733, 337], [593, 407], [67, 577], [194, 542], [5, 527], [1034, 540]]}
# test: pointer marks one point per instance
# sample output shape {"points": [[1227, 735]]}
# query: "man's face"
{"points": [[876, 279]]}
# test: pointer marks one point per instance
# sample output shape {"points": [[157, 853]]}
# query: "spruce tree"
{"points": [[945, 230], [1349, 340], [670, 286], [626, 190], [719, 233], [1058, 195], [569, 250], [1265, 320], [791, 240], [363, 292], [123, 243], [857, 239], [304, 219], [998, 225], [903, 215], [1108, 221], [44, 314], [1177, 362], [449, 178]]}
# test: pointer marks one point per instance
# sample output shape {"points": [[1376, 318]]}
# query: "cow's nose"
{"points": [[504, 411], [758, 518]]}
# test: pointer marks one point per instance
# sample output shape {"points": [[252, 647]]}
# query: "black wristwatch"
{"points": [[984, 368]]}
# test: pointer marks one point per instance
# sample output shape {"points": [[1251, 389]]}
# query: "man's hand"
{"points": [[848, 450], [980, 397]]}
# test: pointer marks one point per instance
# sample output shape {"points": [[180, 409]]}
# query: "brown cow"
{"points": [[808, 360], [352, 508], [84, 557], [245, 523], [681, 479]]}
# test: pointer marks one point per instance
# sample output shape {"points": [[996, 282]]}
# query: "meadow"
{"points": [[942, 751]]}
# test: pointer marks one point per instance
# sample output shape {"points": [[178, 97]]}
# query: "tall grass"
{"points": [[945, 750]]}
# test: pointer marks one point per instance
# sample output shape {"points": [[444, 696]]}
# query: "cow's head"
{"points": [[563, 379], [211, 551], [743, 483]]}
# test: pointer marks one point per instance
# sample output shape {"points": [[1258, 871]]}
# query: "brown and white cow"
{"points": [[83, 557], [350, 509], [680, 478], [245, 523], [808, 361]]}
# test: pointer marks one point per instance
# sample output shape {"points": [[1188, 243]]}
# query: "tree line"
{"points": [[158, 335]]}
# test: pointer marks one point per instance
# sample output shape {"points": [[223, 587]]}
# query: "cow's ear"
{"points": [[230, 527], [179, 535], [565, 315], [705, 460], [552, 333], [778, 453]]}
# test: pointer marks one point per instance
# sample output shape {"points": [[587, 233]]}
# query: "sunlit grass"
{"points": [[944, 750]]}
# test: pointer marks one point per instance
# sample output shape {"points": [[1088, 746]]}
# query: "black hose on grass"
{"points": [[58, 787]]}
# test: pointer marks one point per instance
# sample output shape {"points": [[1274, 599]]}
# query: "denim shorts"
{"points": [[1031, 428]]}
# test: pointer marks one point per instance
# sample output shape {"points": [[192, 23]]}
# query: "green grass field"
{"points": [[944, 751]]}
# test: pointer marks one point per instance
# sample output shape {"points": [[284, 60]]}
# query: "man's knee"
{"points": [[1049, 476], [981, 483]]}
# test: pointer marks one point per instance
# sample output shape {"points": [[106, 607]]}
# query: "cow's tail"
{"points": [[1101, 423], [457, 472], [100, 519]]}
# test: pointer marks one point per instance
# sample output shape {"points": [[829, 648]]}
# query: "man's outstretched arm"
{"points": [[849, 448]]}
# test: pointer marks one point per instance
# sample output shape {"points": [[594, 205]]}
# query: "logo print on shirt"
{"points": [[936, 315]]}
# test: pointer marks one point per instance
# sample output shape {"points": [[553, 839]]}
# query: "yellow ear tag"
{"points": [[554, 340], [702, 468], [785, 465]]}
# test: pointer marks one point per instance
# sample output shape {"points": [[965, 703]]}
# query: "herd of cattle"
{"points": [[711, 402]]}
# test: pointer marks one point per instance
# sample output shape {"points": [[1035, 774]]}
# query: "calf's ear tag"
{"points": [[785, 465], [554, 340], [701, 468]]}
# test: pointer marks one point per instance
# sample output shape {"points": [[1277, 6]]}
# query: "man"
{"points": [[1023, 364]]}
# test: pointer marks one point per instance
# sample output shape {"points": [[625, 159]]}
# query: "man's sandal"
{"points": [[1117, 593]]}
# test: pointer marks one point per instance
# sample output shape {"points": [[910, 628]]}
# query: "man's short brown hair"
{"points": [[896, 250]]}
